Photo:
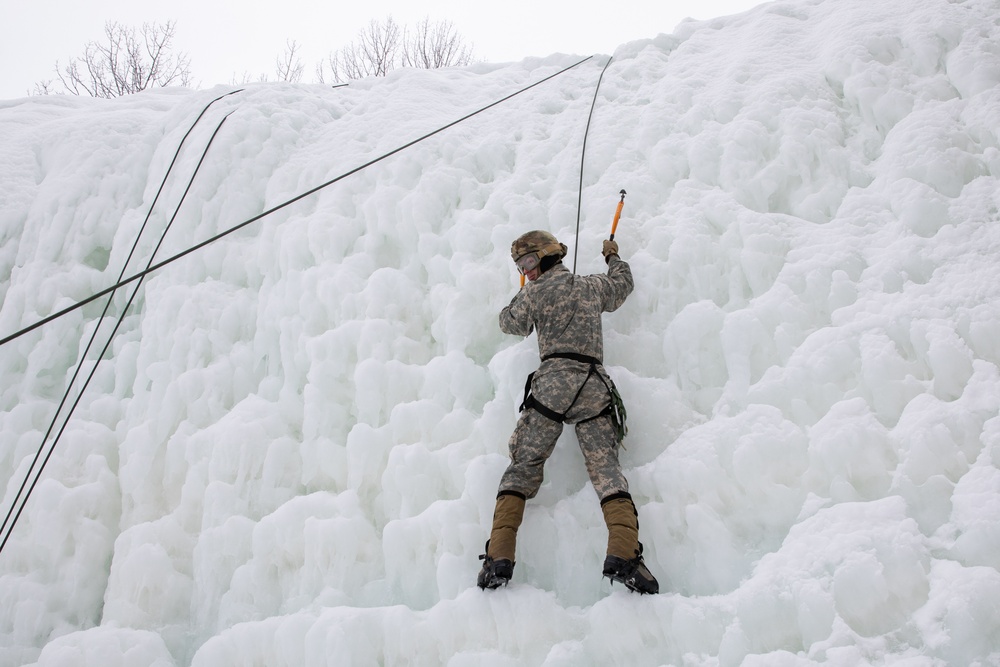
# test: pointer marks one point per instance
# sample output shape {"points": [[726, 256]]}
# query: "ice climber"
{"points": [[569, 386]]}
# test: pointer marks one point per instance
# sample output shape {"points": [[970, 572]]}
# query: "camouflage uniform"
{"points": [[571, 386], [565, 310]]}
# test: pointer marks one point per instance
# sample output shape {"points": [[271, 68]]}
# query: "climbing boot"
{"points": [[498, 561], [624, 561], [496, 572], [632, 572]]}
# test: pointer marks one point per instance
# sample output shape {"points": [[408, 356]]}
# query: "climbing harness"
{"points": [[615, 409], [25, 490]]}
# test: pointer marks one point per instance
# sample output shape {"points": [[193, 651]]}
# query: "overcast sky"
{"points": [[226, 39]]}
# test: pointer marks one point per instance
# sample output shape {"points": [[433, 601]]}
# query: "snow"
{"points": [[289, 453]]}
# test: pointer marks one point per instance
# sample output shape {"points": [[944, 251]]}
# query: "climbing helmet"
{"points": [[528, 249]]}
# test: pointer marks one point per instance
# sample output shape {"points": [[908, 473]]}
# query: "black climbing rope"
{"points": [[15, 511], [583, 154], [199, 246], [25, 490]]}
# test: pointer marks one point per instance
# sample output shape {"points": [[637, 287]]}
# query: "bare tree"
{"points": [[43, 88], [247, 77], [375, 52], [126, 62], [383, 46], [434, 45], [289, 66]]}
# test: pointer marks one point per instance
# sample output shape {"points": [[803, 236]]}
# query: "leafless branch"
{"points": [[383, 46], [434, 45], [289, 66], [126, 62]]}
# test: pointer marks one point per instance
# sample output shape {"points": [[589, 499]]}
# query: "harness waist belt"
{"points": [[531, 402], [575, 356]]}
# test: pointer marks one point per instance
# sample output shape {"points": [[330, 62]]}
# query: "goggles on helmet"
{"points": [[528, 262], [531, 260]]}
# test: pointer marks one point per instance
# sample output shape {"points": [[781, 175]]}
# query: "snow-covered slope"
{"points": [[289, 454]]}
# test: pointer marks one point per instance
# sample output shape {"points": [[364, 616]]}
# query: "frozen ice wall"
{"points": [[289, 452]]}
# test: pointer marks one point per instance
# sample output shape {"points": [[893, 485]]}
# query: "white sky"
{"points": [[224, 38]]}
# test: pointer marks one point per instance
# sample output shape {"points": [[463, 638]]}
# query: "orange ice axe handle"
{"points": [[618, 214]]}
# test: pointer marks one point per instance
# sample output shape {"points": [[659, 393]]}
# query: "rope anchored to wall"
{"points": [[28, 485]]}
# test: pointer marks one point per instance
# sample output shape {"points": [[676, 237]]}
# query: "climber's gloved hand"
{"points": [[610, 248]]}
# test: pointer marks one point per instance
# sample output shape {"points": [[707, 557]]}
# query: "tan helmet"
{"points": [[536, 241]]}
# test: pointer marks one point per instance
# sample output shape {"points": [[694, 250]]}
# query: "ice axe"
{"points": [[618, 214]]}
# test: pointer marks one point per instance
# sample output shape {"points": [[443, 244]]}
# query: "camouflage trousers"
{"points": [[568, 388]]}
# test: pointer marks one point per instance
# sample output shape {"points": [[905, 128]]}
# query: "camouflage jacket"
{"points": [[565, 310]]}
